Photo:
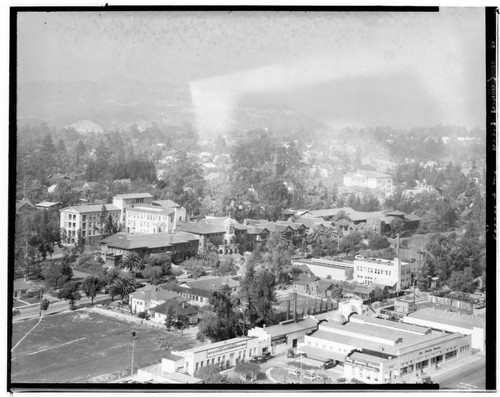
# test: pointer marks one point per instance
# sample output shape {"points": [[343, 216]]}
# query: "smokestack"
{"points": [[175, 220], [397, 246], [294, 307], [287, 310]]}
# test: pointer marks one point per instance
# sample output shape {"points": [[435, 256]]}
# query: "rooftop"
{"points": [[47, 204], [91, 208], [149, 209], [210, 346], [133, 195], [208, 226], [176, 306], [153, 292], [156, 240], [300, 325], [391, 337], [165, 203], [447, 317], [213, 283]]}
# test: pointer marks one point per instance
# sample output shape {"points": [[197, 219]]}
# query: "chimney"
{"points": [[287, 310], [294, 307], [397, 246], [263, 326]]}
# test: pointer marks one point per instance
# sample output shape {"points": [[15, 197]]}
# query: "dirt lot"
{"points": [[81, 347]]}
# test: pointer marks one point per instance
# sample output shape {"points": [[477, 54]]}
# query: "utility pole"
{"points": [[134, 337], [40, 302]]}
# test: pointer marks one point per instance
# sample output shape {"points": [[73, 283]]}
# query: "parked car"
{"points": [[328, 364], [262, 358]]}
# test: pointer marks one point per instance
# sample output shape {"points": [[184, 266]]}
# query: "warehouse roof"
{"points": [[282, 329], [447, 317]]}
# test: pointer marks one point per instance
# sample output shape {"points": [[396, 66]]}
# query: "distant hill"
{"points": [[116, 102]]}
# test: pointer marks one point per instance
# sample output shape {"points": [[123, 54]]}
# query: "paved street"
{"points": [[471, 376], [55, 307]]}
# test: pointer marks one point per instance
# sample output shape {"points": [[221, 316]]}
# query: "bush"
{"points": [[143, 315]]}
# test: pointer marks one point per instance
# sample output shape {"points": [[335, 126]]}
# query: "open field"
{"points": [[81, 347]]}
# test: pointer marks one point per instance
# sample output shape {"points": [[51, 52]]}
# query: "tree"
{"points": [[351, 243], [462, 281], [248, 369], [57, 274], [422, 278], [153, 274], [222, 323], [210, 374], [122, 285], [379, 242], [277, 258], [70, 292], [258, 292], [397, 226], [132, 262], [91, 285]]}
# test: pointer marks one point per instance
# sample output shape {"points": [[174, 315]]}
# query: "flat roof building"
{"points": [[451, 321], [223, 354], [380, 351], [277, 338]]}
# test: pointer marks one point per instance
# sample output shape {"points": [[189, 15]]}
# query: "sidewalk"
{"points": [[444, 368]]}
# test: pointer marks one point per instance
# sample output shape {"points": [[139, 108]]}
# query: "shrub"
{"points": [[143, 315]]}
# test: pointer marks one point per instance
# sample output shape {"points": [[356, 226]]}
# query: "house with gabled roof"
{"points": [[24, 206], [176, 309], [226, 233], [148, 297]]}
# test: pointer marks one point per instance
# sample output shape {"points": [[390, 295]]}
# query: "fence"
{"points": [[127, 317]]}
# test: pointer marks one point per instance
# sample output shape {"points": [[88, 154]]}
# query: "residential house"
{"points": [[24, 206], [147, 297], [257, 237], [21, 286], [226, 233], [179, 245], [85, 219], [177, 309]]}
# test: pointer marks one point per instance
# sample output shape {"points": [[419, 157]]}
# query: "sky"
{"points": [[343, 67]]}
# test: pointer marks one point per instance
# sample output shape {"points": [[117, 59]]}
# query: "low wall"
{"points": [[127, 317]]}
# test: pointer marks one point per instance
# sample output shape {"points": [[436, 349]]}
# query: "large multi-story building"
{"points": [[370, 180], [380, 351], [125, 201], [86, 220], [393, 274], [141, 219]]}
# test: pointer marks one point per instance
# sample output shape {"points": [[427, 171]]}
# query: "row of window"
{"points": [[241, 355], [373, 270], [464, 348]]}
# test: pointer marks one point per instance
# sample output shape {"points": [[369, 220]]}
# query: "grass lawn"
{"points": [[82, 347]]}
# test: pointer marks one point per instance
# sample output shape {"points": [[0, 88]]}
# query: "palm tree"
{"points": [[131, 262], [122, 285]]}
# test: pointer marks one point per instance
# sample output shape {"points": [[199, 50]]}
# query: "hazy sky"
{"points": [[441, 54]]}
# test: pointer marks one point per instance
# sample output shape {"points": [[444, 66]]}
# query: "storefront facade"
{"points": [[224, 354]]}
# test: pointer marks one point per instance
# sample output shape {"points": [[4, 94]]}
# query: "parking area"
{"points": [[277, 371]]}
